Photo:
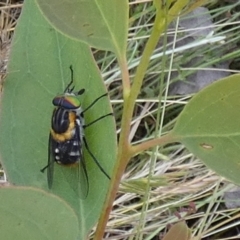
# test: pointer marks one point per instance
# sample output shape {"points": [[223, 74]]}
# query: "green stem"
{"points": [[123, 154], [129, 96], [125, 150], [168, 138]]}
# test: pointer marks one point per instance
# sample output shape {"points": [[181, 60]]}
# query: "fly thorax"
{"points": [[78, 111], [80, 124], [60, 120]]}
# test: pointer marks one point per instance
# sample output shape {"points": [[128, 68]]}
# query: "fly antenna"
{"points": [[80, 92], [71, 82]]}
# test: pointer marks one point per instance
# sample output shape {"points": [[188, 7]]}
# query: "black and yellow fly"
{"points": [[66, 138]]}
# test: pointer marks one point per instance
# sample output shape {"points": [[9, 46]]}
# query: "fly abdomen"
{"points": [[68, 152]]}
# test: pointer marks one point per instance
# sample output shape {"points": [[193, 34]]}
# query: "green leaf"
{"points": [[102, 24], [39, 70], [27, 213], [209, 126]]}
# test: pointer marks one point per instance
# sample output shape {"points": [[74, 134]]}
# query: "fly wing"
{"points": [[51, 160], [82, 170]]}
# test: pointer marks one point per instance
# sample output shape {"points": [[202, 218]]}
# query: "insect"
{"points": [[66, 138]]}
